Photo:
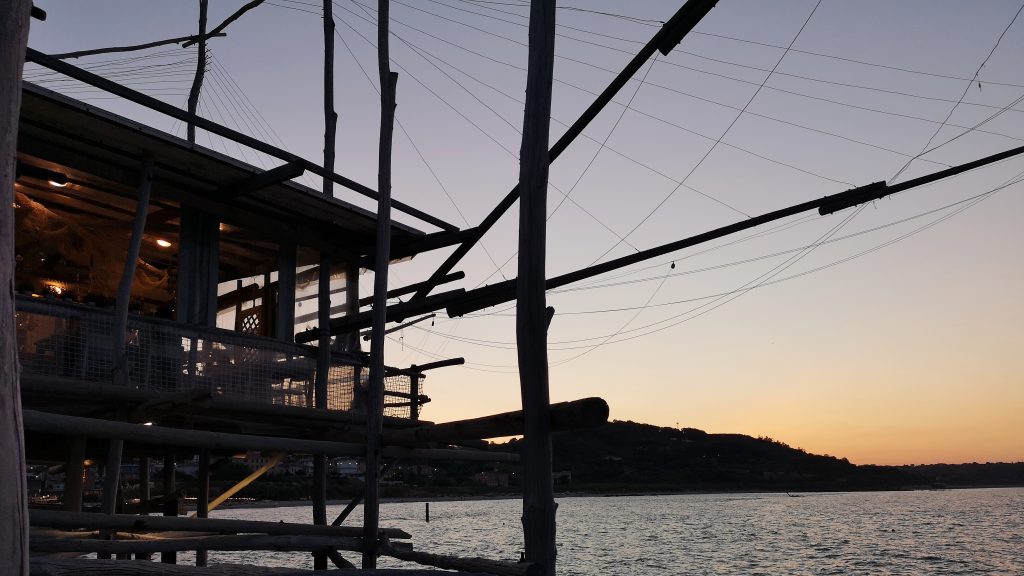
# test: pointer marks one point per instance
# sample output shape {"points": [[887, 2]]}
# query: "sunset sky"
{"points": [[891, 334]]}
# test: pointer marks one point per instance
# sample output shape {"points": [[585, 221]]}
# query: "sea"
{"points": [[941, 532]]}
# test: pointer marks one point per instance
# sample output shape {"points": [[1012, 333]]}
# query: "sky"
{"points": [[890, 334]]}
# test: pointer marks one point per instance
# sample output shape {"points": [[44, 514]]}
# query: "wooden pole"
{"points": [[170, 502], [375, 413], [203, 498], [132, 48], [144, 496], [14, 24], [284, 325], [73, 471], [119, 333], [274, 460], [531, 307], [324, 288], [197, 82]]}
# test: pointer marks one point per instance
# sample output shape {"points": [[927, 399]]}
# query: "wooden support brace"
{"points": [[455, 563], [265, 179], [132, 48], [274, 460]]}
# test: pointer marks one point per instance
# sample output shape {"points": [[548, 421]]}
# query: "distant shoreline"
{"points": [[481, 497]]}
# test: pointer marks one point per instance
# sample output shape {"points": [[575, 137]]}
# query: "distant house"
{"points": [[346, 467], [492, 478]]}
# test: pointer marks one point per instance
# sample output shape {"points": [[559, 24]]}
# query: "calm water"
{"points": [[969, 532]]}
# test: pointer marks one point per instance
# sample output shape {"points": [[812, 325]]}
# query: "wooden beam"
{"points": [[416, 370], [127, 522], [247, 542], [157, 435], [132, 48], [484, 565], [218, 31], [409, 289], [14, 555], [574, 415], [394, 313], [433, 241], [366, 335], [504, 291], [73, 389], [48, 566], [274, 460], [261, 180]]}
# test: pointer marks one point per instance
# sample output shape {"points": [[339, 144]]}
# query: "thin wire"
{"points": [[642, 113], [962, 95], [851, 60], [715, 145], [412, 142]]}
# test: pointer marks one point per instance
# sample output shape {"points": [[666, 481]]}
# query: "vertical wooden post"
{"points": [[375, 408], [414, 398], [353, 343], [170, 502], [324, 302], [323, 368], [73, 470], [203, 497], [284, 325], [197, 82], [531, 315], [144, 482], [14, 22], [119, 333], [144, 497]]}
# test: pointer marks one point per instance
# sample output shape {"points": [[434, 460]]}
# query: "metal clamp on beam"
{"points": [[853, 197], [682, 22]]}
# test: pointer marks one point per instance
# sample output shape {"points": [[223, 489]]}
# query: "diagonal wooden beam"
{"points": [[219, 29], [275, 459], [285, 172], [131, 48]]}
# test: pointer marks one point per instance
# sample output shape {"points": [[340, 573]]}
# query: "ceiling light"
{"points": [[59, 183], [163, 243]]}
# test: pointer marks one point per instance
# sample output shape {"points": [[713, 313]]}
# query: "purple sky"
{"points": [[899, 340]]}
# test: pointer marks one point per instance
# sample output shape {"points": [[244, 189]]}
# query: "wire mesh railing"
{"points": [[71, 341]]}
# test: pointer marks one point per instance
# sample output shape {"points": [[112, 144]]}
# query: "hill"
{"points": [[634, 456]]}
